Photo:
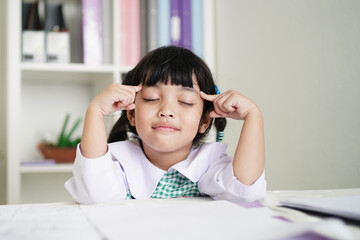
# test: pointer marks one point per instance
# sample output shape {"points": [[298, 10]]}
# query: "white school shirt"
{"points": [[124, 168]]}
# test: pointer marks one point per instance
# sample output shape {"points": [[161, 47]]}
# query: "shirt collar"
{"points": [[143, 177]]}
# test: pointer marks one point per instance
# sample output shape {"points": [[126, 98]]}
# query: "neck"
{"points": [[165, 160]]}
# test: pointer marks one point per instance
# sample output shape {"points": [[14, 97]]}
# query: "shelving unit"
{"points": [[40, 94]]}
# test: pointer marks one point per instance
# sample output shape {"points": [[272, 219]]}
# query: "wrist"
{"points": [[254, 113], [94, 110]]}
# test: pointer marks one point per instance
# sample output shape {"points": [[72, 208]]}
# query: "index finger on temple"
{"points": [[207, 97], [138, 87]]}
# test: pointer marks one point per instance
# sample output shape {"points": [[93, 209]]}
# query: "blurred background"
{"points": [[298, 60]]}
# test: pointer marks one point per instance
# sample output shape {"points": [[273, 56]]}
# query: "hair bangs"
{"points": [[173, 67]]}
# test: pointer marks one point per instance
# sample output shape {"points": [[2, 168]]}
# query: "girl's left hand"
{"points": [[231, 104]]}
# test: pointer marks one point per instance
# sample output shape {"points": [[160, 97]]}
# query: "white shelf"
{"points": [[56, 168], [73, 72], [71, 67]]}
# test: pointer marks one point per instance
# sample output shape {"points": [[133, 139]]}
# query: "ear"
{"points": [[205, 123], [130, 114]]}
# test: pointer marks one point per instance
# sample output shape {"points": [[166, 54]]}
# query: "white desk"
{"points": [[185, 218]]}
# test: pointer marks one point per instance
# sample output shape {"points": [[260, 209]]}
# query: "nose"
{"points": [[166, 114], [166, 110]]}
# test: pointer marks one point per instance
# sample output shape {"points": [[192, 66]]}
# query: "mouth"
{"points": [[165, 128]]}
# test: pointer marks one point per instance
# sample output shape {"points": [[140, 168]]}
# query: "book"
{"points": [[44, 162], [33, 35], [92, 32], [175, 23], [197, 27], [163, 21], [58, 47], [152, 25], [185, 24], [130, 32], [107, 30], [57, 35], [209, 34], [341, 206], [144, 27]]}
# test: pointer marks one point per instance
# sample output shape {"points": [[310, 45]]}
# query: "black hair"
{"points": [[174, 64]]}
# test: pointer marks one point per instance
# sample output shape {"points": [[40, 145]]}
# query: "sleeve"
{"points": [[220, 183], [97, 180]]}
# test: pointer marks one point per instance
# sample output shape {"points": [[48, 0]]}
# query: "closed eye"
{"points": [[186, 103], [149, 99]]}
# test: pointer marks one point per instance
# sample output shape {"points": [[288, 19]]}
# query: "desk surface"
{"points": [[191, 218]]}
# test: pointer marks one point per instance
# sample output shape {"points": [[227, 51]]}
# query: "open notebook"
{"points": [[341, 206]]}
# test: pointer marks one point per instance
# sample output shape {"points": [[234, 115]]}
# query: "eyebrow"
{"points": [[190, 89]]}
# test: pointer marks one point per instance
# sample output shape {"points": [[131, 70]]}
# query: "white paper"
{"points": [[193, 218], [45, 221], [200, 220]]}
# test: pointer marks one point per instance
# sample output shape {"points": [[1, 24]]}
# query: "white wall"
{"points": [[300, 61]]}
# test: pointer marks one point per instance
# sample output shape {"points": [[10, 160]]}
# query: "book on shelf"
{"points": [[152, 24], [185, 24], [33, 34], [57, 35], [197, 27], [163, 21], [130, 32], [44, 162], [92, 32], [175, 22], [107, 31], [144, 26]]}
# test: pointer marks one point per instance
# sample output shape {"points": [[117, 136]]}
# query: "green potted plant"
{"points": [[64, 150]]}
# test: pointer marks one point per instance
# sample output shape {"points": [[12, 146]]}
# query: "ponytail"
{"points": [[119, 130], [220, 124]]}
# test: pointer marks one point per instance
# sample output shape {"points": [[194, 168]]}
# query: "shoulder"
{"points": [[124, 147], [127, 153], [210, 152], [201, 159], [214, 149]]}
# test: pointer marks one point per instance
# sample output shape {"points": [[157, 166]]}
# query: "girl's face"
{"points": [[167, 117]]}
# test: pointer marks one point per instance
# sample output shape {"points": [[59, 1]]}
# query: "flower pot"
{"points": [[60, 155]]}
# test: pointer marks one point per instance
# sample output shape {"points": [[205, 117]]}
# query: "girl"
{"points": [[155, 149]]}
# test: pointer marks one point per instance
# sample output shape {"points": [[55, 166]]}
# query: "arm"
{"points": [[114, 98], [249, 158]]}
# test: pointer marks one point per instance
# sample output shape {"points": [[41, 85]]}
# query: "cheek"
{"points": [[193, 118], [141, 113]]}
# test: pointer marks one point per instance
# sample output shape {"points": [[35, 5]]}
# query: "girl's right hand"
{"points": [[114, 98]]}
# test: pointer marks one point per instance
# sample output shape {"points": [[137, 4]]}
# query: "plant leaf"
{"points": [[76, 124], [75, 142], [62, 140]]}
